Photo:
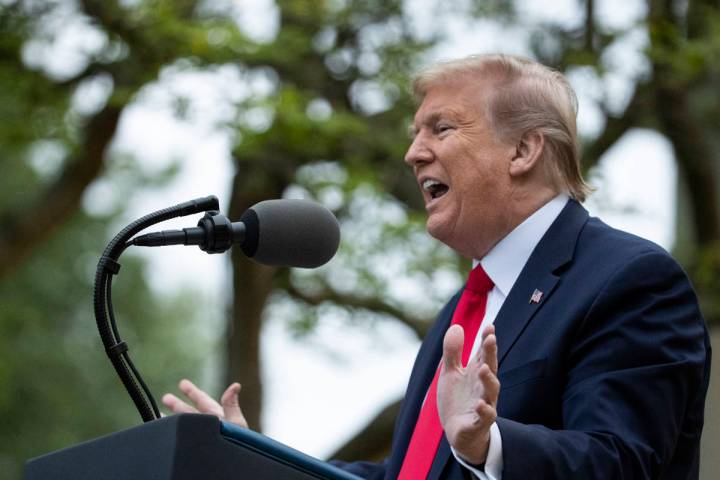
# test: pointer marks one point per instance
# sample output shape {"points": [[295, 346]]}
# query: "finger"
{"points": [[486, 415], [176, 405], [452, 347], [487, 331], [489, 349], [203, 402], [491, 385], [231, 405]]}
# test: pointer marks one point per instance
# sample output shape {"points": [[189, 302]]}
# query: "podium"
{"points": [[182, 447]]}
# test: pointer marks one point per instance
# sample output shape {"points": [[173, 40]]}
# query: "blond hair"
{"points": [[525, 97]]}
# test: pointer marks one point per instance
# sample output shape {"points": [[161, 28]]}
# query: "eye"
{"points": [[443, 128]]}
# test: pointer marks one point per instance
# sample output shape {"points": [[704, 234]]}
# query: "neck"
{"points": [[526, 205]]}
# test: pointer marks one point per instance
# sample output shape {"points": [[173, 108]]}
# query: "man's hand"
{"points": [[228, 409], [467, 397]]}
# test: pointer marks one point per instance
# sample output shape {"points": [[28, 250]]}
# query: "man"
{"points": [[593, 361]]}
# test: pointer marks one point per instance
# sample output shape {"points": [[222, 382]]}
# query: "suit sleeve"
{"points": [[366, 470], [637, 373]]}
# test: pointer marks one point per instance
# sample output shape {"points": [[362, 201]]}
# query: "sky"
{"points": [[318, 393]]}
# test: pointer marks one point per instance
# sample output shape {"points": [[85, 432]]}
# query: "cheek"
{"points": [[482, 192], [473, 176]]}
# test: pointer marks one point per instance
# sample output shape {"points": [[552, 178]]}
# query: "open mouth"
{"points": [[434, 188]]}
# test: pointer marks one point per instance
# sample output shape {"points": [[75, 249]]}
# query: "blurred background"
{"points": [[110, 109]]}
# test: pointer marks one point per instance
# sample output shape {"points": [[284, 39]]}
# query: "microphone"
{"points": [[287, 233]]}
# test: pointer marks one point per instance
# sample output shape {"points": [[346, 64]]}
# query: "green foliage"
{"points": [[387, 268], [688, 58], [330, 124], [334, 127], [59, 388]]}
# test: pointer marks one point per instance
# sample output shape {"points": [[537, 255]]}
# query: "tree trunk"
{"points": [[683, 124], [24, 230], [252, 285], [372, 443]]}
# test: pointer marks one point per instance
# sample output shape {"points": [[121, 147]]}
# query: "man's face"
{"points": [[462, 169]]}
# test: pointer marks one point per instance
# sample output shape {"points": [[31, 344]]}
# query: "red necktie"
{"points": [[428, 430]]}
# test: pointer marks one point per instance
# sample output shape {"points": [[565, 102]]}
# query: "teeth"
{"points": [[430, 183], [434, 188]]}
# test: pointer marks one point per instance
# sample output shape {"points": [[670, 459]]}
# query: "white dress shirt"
{"points": [[503, 264]]}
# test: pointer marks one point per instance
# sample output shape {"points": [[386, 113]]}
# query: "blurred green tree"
{"points": [[330, 124], [56, 144], [57, 385]]}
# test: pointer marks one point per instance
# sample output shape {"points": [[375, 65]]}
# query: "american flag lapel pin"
{"points": [[536, 296]]}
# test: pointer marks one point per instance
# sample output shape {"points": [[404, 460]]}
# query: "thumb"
{"points": [[231, 405], [452, 347]]}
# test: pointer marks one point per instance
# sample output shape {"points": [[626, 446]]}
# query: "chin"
{"points": [[441, 232], [436, 229], [445, 234]]}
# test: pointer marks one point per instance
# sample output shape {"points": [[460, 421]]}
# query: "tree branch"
{"points": [[417, 325], [23, 231], [635, 114], [590, 25]]}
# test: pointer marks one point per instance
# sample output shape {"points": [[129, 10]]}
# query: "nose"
{"points": [[418, 152]]}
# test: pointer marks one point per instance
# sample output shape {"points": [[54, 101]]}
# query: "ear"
{"points": [[527, 154]]}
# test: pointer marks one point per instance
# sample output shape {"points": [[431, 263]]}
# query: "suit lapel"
{"points": [[441, 459], [422, 374], [540, 274]]}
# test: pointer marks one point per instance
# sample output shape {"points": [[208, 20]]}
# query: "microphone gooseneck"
{"points": [[108, 266], [291, 233]]}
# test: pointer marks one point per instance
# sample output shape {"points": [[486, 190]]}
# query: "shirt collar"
{"points": [[506, 260]]}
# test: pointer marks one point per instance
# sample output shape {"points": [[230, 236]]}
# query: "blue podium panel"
{"points": [[281, 453], [181, 447]]}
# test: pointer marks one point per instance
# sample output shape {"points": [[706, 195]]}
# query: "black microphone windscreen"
{"points": [[290, 233]]}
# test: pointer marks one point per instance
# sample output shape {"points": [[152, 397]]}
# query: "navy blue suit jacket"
{"points": [[604, 378]]}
